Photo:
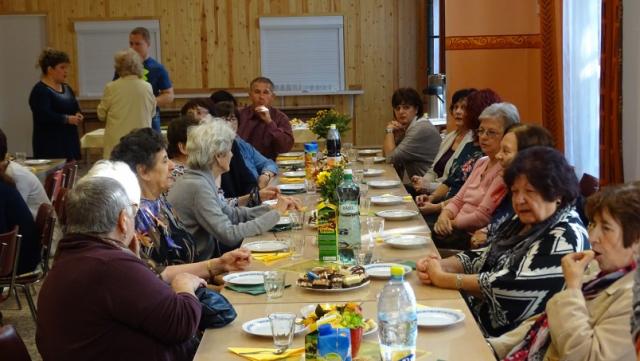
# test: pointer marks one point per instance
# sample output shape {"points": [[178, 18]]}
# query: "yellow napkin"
{"points": [[264, 354], [407, 199], [281, 157], [270, 258], [286, 180]]}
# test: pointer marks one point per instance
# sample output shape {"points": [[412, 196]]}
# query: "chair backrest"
{"points": [[12, 346], [70, 170], [10, 256], [589, 185], [45, 222], [53, 183], [58, 204]]}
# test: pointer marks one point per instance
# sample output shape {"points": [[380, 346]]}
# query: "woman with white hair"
{"points": [[473, 205], [215, 225], [120, 308], [236, 260], [127, 102]]}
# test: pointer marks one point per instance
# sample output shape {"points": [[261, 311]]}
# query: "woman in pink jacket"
{"points": [[472, 207]]}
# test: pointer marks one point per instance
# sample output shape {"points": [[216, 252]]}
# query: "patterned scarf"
{"points": [[534, 346]]}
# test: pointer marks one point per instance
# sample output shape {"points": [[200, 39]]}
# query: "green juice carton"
{"points": [[311, 346], [327, 232]]}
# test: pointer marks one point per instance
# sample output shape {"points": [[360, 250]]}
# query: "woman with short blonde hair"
{"points": [[128, 102]]}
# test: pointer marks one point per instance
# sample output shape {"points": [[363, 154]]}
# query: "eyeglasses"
{"points": [[489, 133], [135, 207]]}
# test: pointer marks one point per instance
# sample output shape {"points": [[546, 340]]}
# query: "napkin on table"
{"points": [[287, 180], [270, 258], [264, 354]]}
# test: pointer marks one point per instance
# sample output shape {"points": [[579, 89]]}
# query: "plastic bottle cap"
{"points": [[348, 172], [332, 126], [397, 271], [325, 329]]}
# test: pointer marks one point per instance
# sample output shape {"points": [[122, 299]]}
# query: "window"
{"points": [[98, 41], [581, 84], [303, 54]]}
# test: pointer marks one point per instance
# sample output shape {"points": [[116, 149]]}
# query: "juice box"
{"points": [[311, 346], [327, 232]]}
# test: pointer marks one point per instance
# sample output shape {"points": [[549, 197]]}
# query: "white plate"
{"points": [[378, 159], [262, 327], [266, 246], [372, 172], [37, 161], [270, 202], [283, 221], [396, 214], [369, 151], [289, 162], [308, 309], [245, 278], [438, 317], [291, 154], [387, 200], [406, 241], [293, 187], [384, 183], [335, 290], [294, 174], [383, 270]]}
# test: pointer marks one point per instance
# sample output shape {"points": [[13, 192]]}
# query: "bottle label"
{"points": [[403, 355], [347, 208]]}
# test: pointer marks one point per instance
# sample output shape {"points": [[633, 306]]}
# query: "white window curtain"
{"points": [[581, 84]]}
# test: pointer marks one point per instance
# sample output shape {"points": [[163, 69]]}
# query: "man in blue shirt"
{"points": [[155, 73]]}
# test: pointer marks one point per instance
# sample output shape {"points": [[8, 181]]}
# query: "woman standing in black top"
{"points": [[56, 113]]}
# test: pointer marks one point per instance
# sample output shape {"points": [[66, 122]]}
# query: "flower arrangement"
{"points": [[327, 180], [348, 315], [320, 124]]}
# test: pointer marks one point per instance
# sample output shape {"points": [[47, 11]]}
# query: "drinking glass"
{"points": [[311, 239], [346, 150], [358, 175], [375, 225], [282, 325], [365, 206], [310, 186], [364, 253], [274, 284], [296, 245], [21, 157], [367, 163], [297, 219]]}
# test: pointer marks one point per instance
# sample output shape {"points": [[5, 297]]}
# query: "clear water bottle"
{"points": [[397, 319], [348, 218], [333, 146]]}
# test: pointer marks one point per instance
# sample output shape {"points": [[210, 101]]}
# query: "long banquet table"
{"points": [[462, 341]]}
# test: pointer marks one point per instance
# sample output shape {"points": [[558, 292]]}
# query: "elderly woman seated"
{"points": [[216, 226], [513, 278], [466, 113], [472, 207], [589, 319], [167, 268], [100, 301], [517, 138]]}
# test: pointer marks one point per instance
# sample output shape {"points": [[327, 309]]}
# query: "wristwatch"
{"points": [[388, 130]]}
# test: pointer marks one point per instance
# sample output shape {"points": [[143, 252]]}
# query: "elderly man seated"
{"points": [[100, 301]]}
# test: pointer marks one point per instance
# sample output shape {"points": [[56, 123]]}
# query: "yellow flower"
{"points": [[322, 178]]}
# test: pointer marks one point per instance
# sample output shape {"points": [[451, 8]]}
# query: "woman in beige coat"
{"points": [[128, 102], [590, 319]]}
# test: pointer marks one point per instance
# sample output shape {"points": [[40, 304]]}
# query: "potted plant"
{"points": [[323, 119]]}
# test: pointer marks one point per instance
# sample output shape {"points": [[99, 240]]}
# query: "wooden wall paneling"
{"points": [[407, 50]]}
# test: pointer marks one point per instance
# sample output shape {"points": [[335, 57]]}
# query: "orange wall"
{"points": [[512, 73]]}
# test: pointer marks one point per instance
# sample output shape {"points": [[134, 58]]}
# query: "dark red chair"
{"points": [[53, 183], [12, 348]]}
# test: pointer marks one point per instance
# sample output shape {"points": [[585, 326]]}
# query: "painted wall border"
{"points": [[512, 41]]}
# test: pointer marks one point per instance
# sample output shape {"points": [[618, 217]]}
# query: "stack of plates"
{"points": [[283, 224], [396, 214], [372, 172], [291, 154], [369, 151], [386, 200], [37, 161], [293, 188], [249, 278], [266, 246], [262, 327], [384, 183], [438, 317], [294, 174], [406, 241]]}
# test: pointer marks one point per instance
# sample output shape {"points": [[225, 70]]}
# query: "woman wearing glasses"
{"points": [[472, 206]]}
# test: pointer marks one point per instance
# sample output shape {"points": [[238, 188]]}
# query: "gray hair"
{"points": [[506, 112], [206, 141], [121, 172], [94, 205], [128, 62]]}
